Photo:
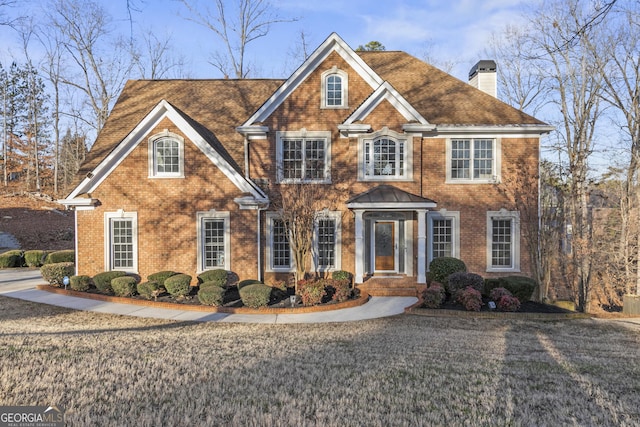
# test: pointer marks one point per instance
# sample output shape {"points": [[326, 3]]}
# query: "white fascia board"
{"points": [[511, 130], [80, 203], [162, 110], [386, 92], [332, 43], [393, 206], [253, 132]]}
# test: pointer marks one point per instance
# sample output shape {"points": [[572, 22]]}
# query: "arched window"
{"points": [[384, 158], [334, 88], [166, 156]]}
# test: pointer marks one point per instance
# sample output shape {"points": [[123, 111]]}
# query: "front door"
{"points": [[385, 245]]}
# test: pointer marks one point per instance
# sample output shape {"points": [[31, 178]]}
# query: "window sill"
{"points": [[334, 107], [503, 270], [471, 181], [166, 176]]}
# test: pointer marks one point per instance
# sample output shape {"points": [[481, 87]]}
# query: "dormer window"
{"points": [[166, 156], [335, 85]]}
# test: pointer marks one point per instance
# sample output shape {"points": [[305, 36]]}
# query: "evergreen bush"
{"points": [[150, 289], [80, 283], [160, 276], [178, 285], [55, 273], [255, 295], [218, 276], [11, 259], [124, 286], [61, 256], [211, 295], [34, 258], [102, 281], [441, 268], [460, 280], [433, 296]]}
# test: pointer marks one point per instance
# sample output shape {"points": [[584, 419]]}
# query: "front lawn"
{"points": [[403, 371]]}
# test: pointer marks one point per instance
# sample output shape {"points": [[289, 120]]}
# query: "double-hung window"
{"points": [[213, 240], [303, 157], [279, 255], [444, 234], [166, 156], [503, 241], [121, 241], [327, 245], [473, 160]]}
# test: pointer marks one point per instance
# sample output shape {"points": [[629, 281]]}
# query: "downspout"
{"points": [[246, 157], [259, 233]]}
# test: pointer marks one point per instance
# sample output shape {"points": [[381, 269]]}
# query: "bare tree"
{"points": [[155, 60], [251, 20]]}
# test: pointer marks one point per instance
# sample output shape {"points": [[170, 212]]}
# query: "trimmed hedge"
{"points": [[255, 295], [178, 285], [520, 287], [218, 276], [441, 268], [102, 281], [55, 273], [68, 255], [35, 258], [12, 259], [160, 276], [150, 289], [460, 280], [124, 286], [211, 295], [80, 283], [248, 282]]}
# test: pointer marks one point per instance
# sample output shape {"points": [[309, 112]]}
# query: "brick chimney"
{"points": [[483, 76]]}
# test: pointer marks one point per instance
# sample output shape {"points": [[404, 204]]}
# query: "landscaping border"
{"points": [[363, 298]]}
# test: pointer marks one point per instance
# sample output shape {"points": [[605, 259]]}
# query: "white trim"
{"points": [[496, 164], [442, 214], [396, 245], [332, 44], [385, 132], [151, 141], [513, 131], [334, 71], [337, 217], [271, 216], [161, 111], [120, 214], [304, 135], [226, 217], [514, 216]]}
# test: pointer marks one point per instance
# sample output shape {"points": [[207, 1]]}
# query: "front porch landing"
{"points": [[392, 286]]}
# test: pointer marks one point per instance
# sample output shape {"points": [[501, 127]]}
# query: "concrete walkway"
{"points": [[20, 283]]}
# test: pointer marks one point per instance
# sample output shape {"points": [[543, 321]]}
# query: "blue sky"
{"points": [[448, 31]]}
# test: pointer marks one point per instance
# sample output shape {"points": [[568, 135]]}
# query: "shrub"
{"points": [[80, 283], [102, 281], [433, 296], [248, 282], [280, 285], [520, 287], [160, 276], [460, 280], [255, 295], [150, 289], [508, 303], [340, 290], [61, 256], [124, 286], [55, 273], [441, 268], [211, 295], [470, 298], [218, 276], [178, 285], [12, 259], [497, 293], [34, 258], [311, 291], [341, 275]]}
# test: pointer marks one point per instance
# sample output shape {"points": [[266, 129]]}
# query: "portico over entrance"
{"points": [[389, 225]]}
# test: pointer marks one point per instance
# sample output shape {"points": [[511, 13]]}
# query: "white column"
{"points": [[422, 246], [359, 230]]}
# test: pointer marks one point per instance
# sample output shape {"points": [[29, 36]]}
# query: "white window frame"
{"points": [[365, 172], [514, 216], [214, 215], [153, 170], [337, 217], [271, 217], [496, 165], [304, 135], [108, 258], [443, 214], [334, 71]]}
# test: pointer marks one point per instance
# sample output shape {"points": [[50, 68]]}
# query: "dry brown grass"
{"points": [[402, 371]]}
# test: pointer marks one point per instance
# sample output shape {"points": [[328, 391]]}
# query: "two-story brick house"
{"points": [[176, 179]]}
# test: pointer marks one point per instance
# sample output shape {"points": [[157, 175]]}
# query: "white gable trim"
{"points": [[139, 134], [332, 44]]}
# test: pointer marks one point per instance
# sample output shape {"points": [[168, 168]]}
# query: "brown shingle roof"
{"points": [[439, 97]]}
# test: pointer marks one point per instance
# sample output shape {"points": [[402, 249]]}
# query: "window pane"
{"points": [[280, 245], [167, 156], [121, 243], [326, 243], [292, 159], [314, 159], [483, 158], [501, 244], [384, 157], [304, 159], [334, 90], [213, 243], [460, 158], [442, 238]]}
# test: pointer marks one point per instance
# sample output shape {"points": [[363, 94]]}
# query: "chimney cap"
{"points": [[483, 66]]}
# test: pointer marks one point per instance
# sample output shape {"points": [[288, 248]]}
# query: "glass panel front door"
{"points": [[385, 245]]}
